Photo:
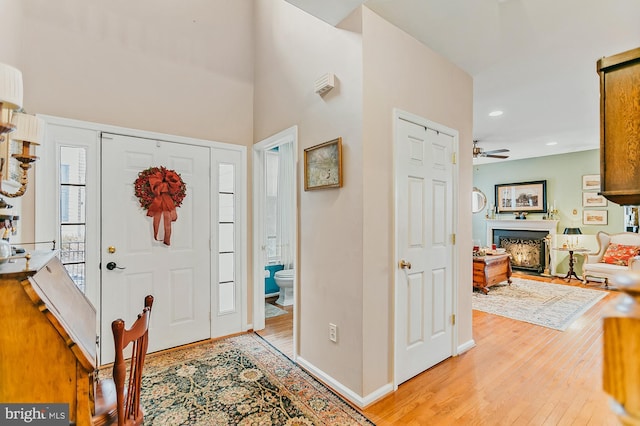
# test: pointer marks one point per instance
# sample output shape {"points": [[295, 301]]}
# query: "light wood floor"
{"points": [[518, 374], [279, 330]]}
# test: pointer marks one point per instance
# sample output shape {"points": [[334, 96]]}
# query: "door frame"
{"points": [[420, 121], [259, 149], [47, 193]]}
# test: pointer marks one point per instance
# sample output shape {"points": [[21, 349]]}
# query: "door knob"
{"points": [[112, 265], [404, 264]]}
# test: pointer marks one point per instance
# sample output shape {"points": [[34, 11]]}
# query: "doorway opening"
{"points": [[275, 239]]}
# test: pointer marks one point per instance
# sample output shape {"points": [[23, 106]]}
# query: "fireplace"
{"points": [[530, 255], [527, 248]]}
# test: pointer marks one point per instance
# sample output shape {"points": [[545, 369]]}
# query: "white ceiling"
{"points": [[533, 59]]}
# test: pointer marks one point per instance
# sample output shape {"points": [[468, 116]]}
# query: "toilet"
{"points": [[284, 280]]}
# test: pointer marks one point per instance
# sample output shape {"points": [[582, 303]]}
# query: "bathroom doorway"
{"points": [[275, 239]]}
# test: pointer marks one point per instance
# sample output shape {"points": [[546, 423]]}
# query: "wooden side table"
{"points": [[490, 270], [571, 272]]}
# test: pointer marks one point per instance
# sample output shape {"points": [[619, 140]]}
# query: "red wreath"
{"points": [[160, 191]]}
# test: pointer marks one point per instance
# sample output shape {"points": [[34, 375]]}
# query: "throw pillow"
{"points": [[619, 254]]}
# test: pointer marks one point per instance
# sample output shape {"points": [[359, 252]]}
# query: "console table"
{"points": [[490, 270]]}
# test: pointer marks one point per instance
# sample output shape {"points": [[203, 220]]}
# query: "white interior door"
{"points": [[177, 275], [424, 227]]}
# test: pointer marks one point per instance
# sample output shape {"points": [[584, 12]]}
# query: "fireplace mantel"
{"points": [[526, 225]]}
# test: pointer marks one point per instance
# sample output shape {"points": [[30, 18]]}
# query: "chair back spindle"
{"points": [[128, 401]]}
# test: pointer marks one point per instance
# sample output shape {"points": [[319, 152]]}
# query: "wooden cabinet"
{"points": [[490, 270], [47, 337], [620, 127]]}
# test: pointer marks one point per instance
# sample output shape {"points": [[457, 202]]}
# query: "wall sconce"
{"points": [[24, 128], [29, 132], [10, 95]]}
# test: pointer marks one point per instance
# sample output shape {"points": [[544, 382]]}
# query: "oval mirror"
{"points": [[478, 200]]}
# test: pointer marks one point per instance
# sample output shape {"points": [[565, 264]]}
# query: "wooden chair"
{"points": [[127, 395]]}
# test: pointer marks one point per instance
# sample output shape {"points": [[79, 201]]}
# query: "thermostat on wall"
{"points": [[325, 83]]}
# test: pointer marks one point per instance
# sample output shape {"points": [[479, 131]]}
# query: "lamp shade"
{"points": [[28, 128], [572, 231], [10, 86]]}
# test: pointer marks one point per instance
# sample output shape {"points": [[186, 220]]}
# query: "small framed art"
{"points": [[595, 217], [591, 183], [593, 199], [323, 165]]}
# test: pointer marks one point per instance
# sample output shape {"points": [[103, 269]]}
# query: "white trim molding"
{"points": [[353, 397]]}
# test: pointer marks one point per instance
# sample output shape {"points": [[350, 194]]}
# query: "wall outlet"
{"points": [[333, 332]]}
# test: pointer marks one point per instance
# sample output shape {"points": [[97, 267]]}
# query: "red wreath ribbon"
{"points": [[160, 191]]}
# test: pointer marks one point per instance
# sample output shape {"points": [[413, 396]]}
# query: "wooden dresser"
{"points": [[47, 337], [491, 270]]}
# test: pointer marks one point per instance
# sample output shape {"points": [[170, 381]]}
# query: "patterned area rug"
{"points": [[550, 305], [241, 380], [271, 311]]}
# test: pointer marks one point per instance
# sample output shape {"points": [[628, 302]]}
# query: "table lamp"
{"points": [[572, 241]]}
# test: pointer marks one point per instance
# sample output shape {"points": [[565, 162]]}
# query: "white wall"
{"points": [[150, 65], [293, 49], [346, 235], [400, 72]]}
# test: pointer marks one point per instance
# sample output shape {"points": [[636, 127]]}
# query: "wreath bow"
{"points": [[160, 191]]}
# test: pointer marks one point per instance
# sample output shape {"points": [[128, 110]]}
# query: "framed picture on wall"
{"points": [[591, 183], [594, 217], [528, 197], [593, 199], [323, 165]]}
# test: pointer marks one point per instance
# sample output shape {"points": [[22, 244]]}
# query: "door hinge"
{"points": [[453, 238], [453, 158], [98, 341], [453, 319]]}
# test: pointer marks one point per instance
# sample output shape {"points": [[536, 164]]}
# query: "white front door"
{"points": [[177, 275], [424, 229]]}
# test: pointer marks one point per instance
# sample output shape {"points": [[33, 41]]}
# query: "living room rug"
{"points": [[271, 311], [241, 380], [550, 305]]}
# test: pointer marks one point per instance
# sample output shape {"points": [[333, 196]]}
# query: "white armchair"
{"points": [[597, 265]]}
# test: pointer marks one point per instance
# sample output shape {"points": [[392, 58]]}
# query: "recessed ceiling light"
{"points": [[495, 113], [552, 143]]}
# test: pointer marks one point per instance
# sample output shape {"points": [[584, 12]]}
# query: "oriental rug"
{"points": [[550, 305], [241, 380]]}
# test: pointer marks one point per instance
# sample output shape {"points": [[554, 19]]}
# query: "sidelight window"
{"points": [[72, 237]]}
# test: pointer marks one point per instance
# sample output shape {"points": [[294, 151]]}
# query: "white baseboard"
{"points": [[379, 393], [344, 391], [466, 346]]}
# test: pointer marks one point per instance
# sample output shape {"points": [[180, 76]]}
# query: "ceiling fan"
{"points": [[479, 152]]}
